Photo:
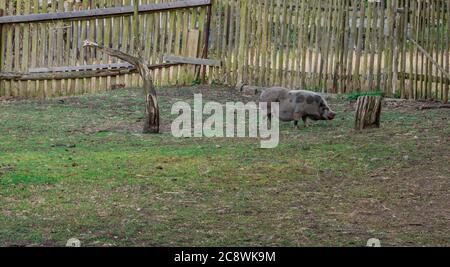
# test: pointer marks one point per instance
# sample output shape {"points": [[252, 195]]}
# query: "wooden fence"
{"points": [[42, 54], [400, 47]]}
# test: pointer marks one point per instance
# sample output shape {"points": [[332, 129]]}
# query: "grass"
{"points": [[82, 169], [355, 96]]}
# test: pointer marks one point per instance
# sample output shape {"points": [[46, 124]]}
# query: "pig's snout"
{"points": [[332, 115]]}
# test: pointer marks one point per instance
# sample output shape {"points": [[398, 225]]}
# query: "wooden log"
{"points": [[152, 116], [368, 112], [443, 106], [249, 90]]}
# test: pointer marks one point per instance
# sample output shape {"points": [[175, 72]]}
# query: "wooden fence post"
{"points": [[1, 52], [1, 41], [207, 34]]}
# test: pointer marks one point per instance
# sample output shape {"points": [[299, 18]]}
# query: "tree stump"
{"points": [[368, 112]]}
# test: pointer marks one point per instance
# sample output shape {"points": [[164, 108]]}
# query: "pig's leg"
{"points": [[267, 112], [297, 117], [305, 121]]}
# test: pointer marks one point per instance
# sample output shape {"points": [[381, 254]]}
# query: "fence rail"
{"points": [[400, 47], [103, 12]]}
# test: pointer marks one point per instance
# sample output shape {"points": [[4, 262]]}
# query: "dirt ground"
{"points": [[79, 167]]}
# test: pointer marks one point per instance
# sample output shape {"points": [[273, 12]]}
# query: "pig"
{"points": [[298, 104]]}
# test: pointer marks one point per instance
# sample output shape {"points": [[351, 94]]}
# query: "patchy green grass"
{"points": [[355, 96], [80, 168]]}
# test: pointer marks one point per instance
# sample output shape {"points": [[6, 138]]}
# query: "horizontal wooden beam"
{"points": [[171, 60], [81, 68], [192, 60], [104, 12], [17, 76]]}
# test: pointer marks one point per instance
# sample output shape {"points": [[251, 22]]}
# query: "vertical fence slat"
{"points": [[2, 45], [447, 50]]}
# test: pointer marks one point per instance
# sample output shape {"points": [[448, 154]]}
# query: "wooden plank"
{"points": [[107, 35], [177, 47], [346, 38], [269, 64], [96, 13], [100, 38], [281, 41], [390, 44], [249, 66], [263, 43], [447, 51], [43, 56], [2, 47], [352, 45], [304, 46], [116, 41], [419, 56], [317, 27], [301, 45], [85, 83], [157, 47], [17, 76], [193, 61], [440, 51], [380, 46], [71, 46], [164, 44], [229, 39], [242, 43], [324, 46], [80, 68], [16, 88], [327, 45], [337, 46], [310, 35], [170, 44], [165, 29], [372, 24], [235, 42], [426, 45], [404, 32], [35, 49], [59, 45], [289, 7], [414, 51], [125, 45], [192, 51]]}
